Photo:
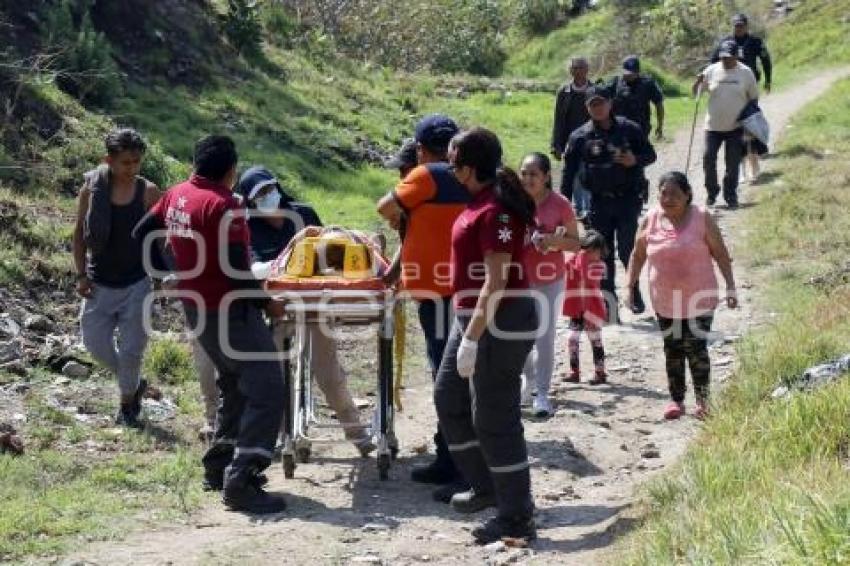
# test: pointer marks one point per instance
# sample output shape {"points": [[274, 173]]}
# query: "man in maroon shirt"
{"points": [[208, 239]]}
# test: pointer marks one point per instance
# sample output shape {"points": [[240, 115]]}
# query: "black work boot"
{"points": [[471, 502], [500, 528], [129, 412], [214, 481], [242, 493]]}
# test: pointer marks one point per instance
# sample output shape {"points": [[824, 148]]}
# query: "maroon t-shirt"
{"points": [[485, 227], [198, 209]]}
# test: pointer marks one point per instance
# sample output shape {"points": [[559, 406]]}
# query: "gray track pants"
{"points": [[541, 361], [480, 417], [117, 309]]}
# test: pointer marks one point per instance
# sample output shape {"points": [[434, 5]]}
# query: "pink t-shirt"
{"points": [[682, 283], [543, 268]]}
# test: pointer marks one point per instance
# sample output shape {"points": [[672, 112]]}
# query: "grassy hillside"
{"points": [[767, 480]]}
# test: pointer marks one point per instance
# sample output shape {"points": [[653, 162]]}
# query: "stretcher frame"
{"points": [[334, 307]]}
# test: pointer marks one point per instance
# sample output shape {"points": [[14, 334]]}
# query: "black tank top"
{"points": [[120, 262]]}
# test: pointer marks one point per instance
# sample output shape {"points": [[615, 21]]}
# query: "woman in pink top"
{"points": [[681, 242], [556, 231]]}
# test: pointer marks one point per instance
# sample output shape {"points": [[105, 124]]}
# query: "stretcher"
{"points": [[331, 278]]}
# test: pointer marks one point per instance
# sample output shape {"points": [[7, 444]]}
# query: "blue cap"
{"points": [[728, 48], [435, 131], [256, 178], [631, 64]]}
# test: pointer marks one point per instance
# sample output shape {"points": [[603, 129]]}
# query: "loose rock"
{"points": [[75, 370]]}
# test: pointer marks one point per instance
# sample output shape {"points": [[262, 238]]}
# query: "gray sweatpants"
{"points": [[117, 309], [480, 417], [541, 361]]}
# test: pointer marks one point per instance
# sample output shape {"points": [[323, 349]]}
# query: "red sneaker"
{"points": [[573, 377], [674, 410]]}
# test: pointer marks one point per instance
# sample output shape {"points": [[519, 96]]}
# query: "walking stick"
{"points": [[693, 129]]}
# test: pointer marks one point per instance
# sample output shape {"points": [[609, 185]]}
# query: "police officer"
{"points": [[633, 94], [611, 153], [748, 49]]}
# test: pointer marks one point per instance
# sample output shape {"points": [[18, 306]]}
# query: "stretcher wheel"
{"points": [[303, 454], [384, 467], [288, 466]]}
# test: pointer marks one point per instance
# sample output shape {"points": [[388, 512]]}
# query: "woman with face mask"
{"points": [[274, 218]]}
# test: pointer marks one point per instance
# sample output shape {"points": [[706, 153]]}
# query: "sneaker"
{"points": [[365, 446], [444, 493], [542, 408], [433, 473], [710, 200], [701, 410], [599, 378], [250, 498], [573, 377], [471, 502], [732, 205], [638, 305], [499, 528], [674, 410]]}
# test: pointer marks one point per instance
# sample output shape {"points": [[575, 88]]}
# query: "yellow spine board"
{"points": [[302, 259]]}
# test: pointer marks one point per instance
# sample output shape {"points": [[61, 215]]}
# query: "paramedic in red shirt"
{"points": [[477, 393], [205, 226]]}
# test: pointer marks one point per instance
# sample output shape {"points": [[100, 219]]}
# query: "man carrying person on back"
{"points": [[110, 273], [430, 198], [731, 85], [209, 240], [570, 113]]}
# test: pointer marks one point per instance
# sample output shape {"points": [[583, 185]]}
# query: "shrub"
{"points": [[242, 26], [84, 67]]}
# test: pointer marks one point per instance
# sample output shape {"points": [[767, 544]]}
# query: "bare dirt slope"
{"points": [[588, 461]]}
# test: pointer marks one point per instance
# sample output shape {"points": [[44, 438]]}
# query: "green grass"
{"points": [[767, 480]]}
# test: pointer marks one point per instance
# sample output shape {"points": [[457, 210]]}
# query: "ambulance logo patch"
{"points": [[504, 218], [505, 235]]}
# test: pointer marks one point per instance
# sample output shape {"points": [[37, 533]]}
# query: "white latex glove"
{"points": [[466, 354]]}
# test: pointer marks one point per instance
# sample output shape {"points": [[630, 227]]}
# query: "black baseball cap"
{"points": [[435, 131], [405, 157], [728, 49], [631, 64], [740, 19], [597, 91]]}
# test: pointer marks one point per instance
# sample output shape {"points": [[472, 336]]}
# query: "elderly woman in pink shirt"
{"points": [[681, 242]]}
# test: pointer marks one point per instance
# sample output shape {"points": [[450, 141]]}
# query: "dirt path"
{"points": [[587, 460]]}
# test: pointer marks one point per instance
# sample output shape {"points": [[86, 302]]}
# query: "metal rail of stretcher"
{"points": [[335, 308]]}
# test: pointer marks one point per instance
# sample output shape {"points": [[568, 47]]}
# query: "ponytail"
{"points": [[511, 195]]}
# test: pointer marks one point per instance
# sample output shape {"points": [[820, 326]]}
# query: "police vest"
{"points": [[600, 174]]}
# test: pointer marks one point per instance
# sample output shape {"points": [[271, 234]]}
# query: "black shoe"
{"points": [[471, 502], [248, 497], [710, 200], [137, 398], [435, 473], [638, 305], [498, 528], [444, 493], [732, 205], [215, 482], [128, 417]]}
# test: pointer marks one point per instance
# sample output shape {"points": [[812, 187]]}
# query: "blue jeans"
{"points": [[581, 198]]}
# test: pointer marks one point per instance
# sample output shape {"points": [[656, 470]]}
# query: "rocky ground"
{"points": [[588, 461]]}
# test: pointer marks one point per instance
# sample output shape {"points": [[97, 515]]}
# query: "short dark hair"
{"points": [[124, 139], [593, 240], [680, 180], [214, 156]]}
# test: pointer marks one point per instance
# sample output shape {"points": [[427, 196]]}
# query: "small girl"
{"points": [[585, 305]]}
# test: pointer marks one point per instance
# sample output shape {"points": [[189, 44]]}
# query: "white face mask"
{"points": [[269, 203]]}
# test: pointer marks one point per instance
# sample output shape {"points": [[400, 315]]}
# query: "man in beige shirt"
{"points": [[731, 85]]}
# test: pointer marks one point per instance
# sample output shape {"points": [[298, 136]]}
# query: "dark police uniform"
{"points": [[632, 101], [749, 49], [615, 203]]}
